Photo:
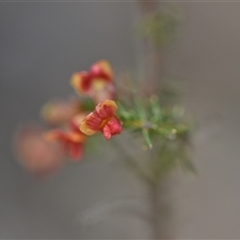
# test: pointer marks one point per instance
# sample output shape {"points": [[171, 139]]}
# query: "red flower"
{"points": [[72, 140], [96, 83], [102, 119], [101, 69]]}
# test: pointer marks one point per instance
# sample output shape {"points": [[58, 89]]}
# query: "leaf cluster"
{"points": [[153, 120]]}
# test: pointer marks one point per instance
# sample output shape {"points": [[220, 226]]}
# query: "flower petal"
{"points": [[58, 112], [91, 124], [76, 151], [72, 142], [76, 121], [106, 109], [81, 82], [114, 125], [102, 69], [107, 132], [102, 119], [64, 136]]}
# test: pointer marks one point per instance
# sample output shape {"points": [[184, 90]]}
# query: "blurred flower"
{"points": [[57, 112], [102, 119], [35, 153], [96, 83], [72, 140], [102, 69]]}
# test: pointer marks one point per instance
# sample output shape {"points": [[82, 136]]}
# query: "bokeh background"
{"points": [[42, 43]]}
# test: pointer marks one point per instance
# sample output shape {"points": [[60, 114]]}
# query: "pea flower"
{"points": [[72, 140], [103, 119], [96, 83], [59, 112], [37, 155]]}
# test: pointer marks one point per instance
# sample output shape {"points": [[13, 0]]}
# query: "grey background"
{"points": [[41, 44]]}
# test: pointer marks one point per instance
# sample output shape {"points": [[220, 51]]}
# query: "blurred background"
{"points": [[43, 43]]}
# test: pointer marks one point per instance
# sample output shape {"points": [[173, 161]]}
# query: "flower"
{"points": [[37, 155], [102, 70], [96, 83], [58, 112], [72, 140], [102, 119]]}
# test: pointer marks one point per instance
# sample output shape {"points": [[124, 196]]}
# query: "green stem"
{"points": [[151, 60]]}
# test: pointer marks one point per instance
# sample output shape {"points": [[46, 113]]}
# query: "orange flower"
{"points": [[58, 112], [102, 119], [96, 83], [72, 140], [35, 153]]}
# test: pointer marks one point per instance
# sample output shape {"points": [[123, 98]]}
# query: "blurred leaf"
{"points": [[147, 138]]}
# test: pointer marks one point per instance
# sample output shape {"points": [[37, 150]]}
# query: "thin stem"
{"points": [[155, 210], [160, 212], [129, 160], [153, 186], [158, 208], [151, 60]]}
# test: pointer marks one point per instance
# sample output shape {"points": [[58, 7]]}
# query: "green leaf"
{"points": [[147, 138]]}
